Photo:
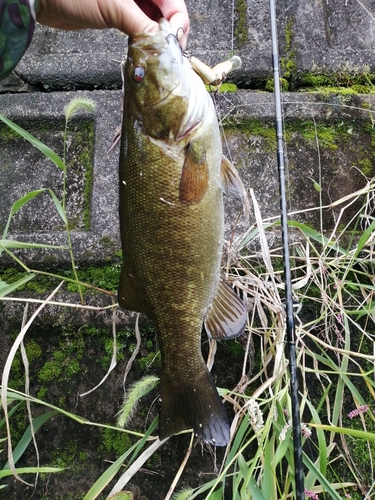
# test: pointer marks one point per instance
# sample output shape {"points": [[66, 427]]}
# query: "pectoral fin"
{"points": [[194, 177], [227, 316], [232, 184]]}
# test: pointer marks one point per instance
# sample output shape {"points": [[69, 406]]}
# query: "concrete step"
{"points": [[328, 140], [327, 37]]}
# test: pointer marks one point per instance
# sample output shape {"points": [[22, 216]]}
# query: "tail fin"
{"points": [[195, 405]]}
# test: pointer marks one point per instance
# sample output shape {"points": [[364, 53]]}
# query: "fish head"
{"points": [[156, 82]]}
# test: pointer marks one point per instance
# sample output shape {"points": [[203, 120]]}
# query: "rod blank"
{"points": [[290, 326]]}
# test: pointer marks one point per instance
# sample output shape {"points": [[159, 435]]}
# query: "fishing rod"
{"points": [[290, 326]]}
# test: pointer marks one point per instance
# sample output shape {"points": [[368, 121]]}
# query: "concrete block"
{"points": [[92, 209], [328, 141], [321, 36]]}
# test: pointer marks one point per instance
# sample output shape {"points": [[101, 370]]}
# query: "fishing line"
{"points": [[290, 326]]}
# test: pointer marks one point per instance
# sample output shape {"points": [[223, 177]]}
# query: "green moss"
{"points": [[348, 80], [366, 166], [42, 392], [65, 456], [105, 277], [252, 127], [222, 88], [33, 350], [283, 83], [234, 348], [7, 133], [241, 31], [330, 136], [288, 62], [315, 81], [289, 34], [228, 87], [326, 134], [65, 361], [343, 91], [82, 143], [114, 442], [39, 284], [153, 359]]}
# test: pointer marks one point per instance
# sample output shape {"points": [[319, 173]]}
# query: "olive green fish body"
{"points": [[171, 213]]}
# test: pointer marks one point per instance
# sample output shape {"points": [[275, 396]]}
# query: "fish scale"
{"points": [[172, 225]]}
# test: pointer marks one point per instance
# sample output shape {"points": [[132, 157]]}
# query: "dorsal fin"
{"points": [[227, 316], [232, 184]]}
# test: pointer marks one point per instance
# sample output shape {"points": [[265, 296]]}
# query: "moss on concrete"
{"points": [[104, 276], [241, 31], [114, 442], [288, 61], [81, 164]]}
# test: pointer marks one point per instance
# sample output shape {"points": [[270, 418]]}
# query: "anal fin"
{"points": [[227, 316]]}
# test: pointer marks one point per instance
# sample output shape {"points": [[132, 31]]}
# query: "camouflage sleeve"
{"points": [[17, 23]]}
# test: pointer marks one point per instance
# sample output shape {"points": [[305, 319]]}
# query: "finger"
{"points": [[128, 17], [176, 13]]}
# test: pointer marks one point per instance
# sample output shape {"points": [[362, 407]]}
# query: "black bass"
{"points": [[172, 178]]}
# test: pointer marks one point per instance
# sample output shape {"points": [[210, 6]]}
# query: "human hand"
{"points": [[128, 16]]}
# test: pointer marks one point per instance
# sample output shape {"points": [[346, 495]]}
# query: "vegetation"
{"points": [[333, 285]]}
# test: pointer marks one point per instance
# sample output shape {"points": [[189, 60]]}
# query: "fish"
{"points": [[172, 178]]}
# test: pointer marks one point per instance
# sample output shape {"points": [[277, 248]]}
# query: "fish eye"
{"points": [[139, 73]]}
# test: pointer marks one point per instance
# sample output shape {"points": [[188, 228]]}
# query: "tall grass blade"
{"points": [[367, 436], [22, 244], [35, 142], [316, 236], [19, 204], [320, 478], [134, 468], [5, 379], [27, 436], [367, 234], [6, 288], [31, 470], [256, 493], [107, 476], [59, 207]]}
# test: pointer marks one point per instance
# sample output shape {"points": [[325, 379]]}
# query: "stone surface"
{"points": [[336, 156], [26, 169], [316, 36]]}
